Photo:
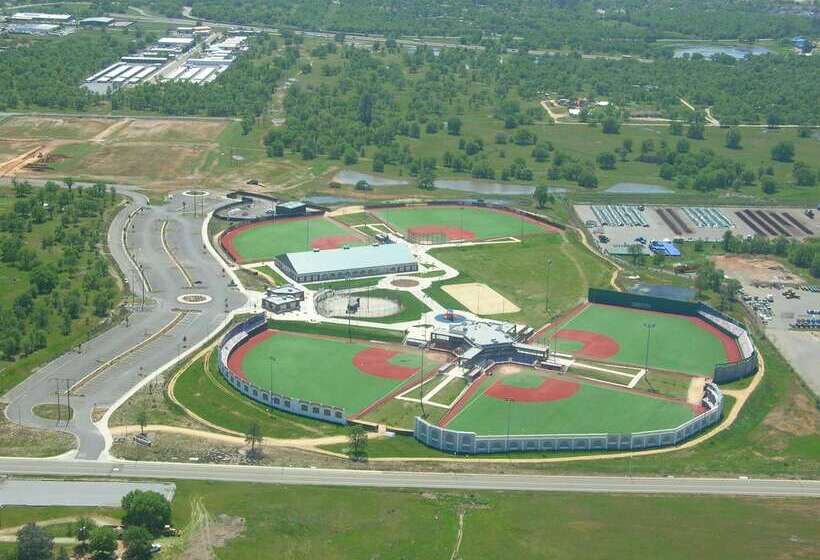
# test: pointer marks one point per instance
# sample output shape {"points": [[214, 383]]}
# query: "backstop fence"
{"points": [[723, 373], [470, 443], [240, 334]]}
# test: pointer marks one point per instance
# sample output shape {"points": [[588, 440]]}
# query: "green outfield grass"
{"points": [[676, 343], [321, 370], [482, 222], [592, 410], [263, 242]]}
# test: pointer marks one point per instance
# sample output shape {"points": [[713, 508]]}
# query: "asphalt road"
{"points": [[368, 478], [110, 364]]}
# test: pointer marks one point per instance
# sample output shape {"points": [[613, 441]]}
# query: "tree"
{"points": [[350, 157], [606, 160], [137, 541], [82, 532], [454, 126], [733, 139], [636, 252], [33, 543], [695, 131], [768, 185], [357, 443], [783, 151], [610, 125], [587, 179], [62, 554], [142, 420], [675, 128], [103, 543], [541, 196], [253, 437], [803, 175], [151, 509]]}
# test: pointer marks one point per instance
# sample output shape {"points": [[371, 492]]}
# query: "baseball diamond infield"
{"points": [[529, 402], [461, 223], [325, 370], [265, 240], [619, 334]]}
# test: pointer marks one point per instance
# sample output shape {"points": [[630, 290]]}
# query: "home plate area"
{"points": [[480, 299]]}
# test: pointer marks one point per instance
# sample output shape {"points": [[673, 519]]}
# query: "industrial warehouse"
{"points": [[188, 57], [348, 262]]}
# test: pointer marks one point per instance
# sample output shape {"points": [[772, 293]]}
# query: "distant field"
{"points": [[458, 223], [68, 128], [257, 242], [562, 406]]}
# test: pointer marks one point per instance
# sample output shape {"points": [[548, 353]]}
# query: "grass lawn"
{"points": [[336, 523], [402, 414], [357, 218], [202, 390], [518, 271], [345, 284], [53, 411], [669, 339], [272, 274], [265, 241], [339, 330], [592, 410], [333, 380], [482, 222], [19, 441]]}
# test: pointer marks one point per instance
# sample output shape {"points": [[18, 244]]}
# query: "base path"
{"points": [[595, 346], [451, 233]]}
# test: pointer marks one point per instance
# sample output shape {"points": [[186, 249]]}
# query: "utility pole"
{"points": [[59, 409]]}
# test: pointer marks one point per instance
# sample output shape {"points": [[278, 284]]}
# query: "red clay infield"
{"points": [[452, 233], [595, 346], [235, 359], [549, 390], [334, 241], [376, 361]]}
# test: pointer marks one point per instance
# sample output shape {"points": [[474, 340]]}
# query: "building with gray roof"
{"points": [[349, 262]]}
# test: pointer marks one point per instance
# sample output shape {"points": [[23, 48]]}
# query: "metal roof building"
{"points": [[41, 17], [352, 262]]}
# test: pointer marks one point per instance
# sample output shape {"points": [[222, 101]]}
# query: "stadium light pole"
{"points": [[421, 386], [547, 299], [649, 327], [509, 403]]}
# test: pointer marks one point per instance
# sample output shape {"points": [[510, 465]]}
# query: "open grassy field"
{"points": [[349, 375], [623, 338], [338, 523], [582, 409], [264, 241], [463, 223], [518, 271]]}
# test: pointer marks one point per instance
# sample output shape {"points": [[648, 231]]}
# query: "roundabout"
{"points": [[195, 299]]}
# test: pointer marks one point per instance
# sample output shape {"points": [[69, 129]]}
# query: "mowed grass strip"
{"points": [[316, 369], [482, 222], [265, 241], [592, 410], [676, 343]]}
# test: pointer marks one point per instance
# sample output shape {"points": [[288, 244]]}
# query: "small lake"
{"points": [[637, 188], [489, 187], [708, 51], [349, 177]]}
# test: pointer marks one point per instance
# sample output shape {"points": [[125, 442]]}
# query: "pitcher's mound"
{"points": [[480, 299]]}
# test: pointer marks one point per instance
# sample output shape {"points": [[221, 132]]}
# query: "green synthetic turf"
{"points": [[484, 223], [676, 343], [592, 410], [318, 369], [265, 241]]}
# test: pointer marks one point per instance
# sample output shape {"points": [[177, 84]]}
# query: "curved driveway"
{"points": [[156, 333]]}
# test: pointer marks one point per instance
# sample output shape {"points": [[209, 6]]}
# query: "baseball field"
{"points": [[326, 370], [526, 402], [618, 334], [460, 223], [263, 241]]}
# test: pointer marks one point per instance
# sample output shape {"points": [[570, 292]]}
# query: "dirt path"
{"points": [[459, 535], [118, 125], [695, 393], [687, 104], [710, 119]]}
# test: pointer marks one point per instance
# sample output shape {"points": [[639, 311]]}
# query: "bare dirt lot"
{"points": [[21, 127], [481, 299], [750, 270], [170, 131]]}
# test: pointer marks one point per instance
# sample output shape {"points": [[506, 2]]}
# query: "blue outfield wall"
{"points": [[470, 443], [237, 336]]}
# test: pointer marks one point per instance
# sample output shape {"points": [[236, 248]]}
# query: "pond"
{"points": [[350, 177], [708, 51], [489, 187], [328, 200], [637, 188]]}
